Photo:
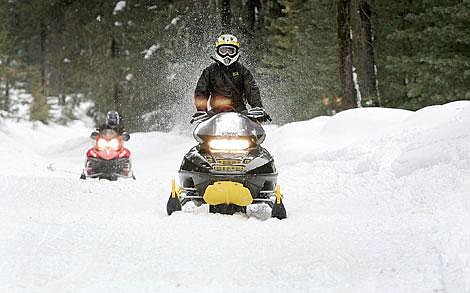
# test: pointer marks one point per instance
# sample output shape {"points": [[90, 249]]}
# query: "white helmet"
{"points": [[227, 47]]}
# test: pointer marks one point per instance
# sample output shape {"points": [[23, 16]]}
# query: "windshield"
{"points": [[229, 124], [108, 133]]}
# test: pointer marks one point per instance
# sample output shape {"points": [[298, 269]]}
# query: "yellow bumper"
{"points": [[227, 192]]}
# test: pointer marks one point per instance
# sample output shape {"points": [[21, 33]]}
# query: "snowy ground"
{"points": [[378, 200]]}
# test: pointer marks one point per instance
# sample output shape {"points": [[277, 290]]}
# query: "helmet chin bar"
{"points": [[227, 60]]}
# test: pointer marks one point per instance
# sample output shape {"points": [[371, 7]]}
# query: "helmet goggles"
{"points": [[227, 50]]}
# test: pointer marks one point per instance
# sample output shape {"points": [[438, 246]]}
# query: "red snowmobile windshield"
{"points": [[108, 133]]}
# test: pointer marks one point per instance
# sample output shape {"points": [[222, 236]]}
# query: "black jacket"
{"points": [[118, 128], [233, 83]]}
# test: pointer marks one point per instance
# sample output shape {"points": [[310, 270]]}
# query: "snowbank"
{"points": [[378, 200]]}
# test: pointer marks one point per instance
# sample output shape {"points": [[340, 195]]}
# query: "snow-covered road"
{"points": [[378, 200]]}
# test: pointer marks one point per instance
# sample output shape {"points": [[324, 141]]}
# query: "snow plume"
{"points": [[119, 6], [189, 55], [182, 73]]}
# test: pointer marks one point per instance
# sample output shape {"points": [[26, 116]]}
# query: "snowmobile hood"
{"points": [[229, 124]]}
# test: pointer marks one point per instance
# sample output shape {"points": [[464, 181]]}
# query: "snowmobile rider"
{"points": [[228, 84], [114, 122]]}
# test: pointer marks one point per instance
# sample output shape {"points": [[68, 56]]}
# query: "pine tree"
{"points": [[298, 64], [425, 56]]}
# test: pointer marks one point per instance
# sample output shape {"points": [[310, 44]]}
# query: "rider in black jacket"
{"points": [[228, 84], [114, 122]]}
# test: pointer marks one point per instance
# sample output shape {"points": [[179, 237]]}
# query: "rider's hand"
{"points": [[125, 136], [198, 116], [199, 113], [94, 134], [259, 114], [268, 118], [264, 118]]}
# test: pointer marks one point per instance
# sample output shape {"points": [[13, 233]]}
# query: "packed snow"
{"points": [[378, 200]]}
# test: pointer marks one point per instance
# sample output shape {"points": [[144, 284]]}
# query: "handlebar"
{"points": [[256, 114]]}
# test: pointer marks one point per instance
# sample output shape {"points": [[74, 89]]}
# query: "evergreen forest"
{"points": [[309, 58]]}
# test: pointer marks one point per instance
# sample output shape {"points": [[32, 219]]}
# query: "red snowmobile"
{"points": [[108, 159]]}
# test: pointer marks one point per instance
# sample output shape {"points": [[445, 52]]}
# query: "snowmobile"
{"points": [[228, 169], [108, 158]]}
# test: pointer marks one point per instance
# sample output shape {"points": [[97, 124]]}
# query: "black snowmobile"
{"points": [[228, 169]]}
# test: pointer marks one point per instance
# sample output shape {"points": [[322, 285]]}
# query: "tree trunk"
{"points": [[254, 9], [226, 16], [117, 94], [7, 91], [5, 101], [43, 45], [370, 77], [345, 54], [114, 48], [117, 90], [39, 109]]}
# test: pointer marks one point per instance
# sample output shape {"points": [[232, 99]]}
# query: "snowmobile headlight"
{"points": [[101, 144], [229, 144], [105, 144], [114, 144]]}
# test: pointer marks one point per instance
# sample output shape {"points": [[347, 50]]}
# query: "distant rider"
{"points": [[228, 84], [114, 122]]}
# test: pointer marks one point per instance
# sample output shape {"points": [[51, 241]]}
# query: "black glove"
{"points": [[94, 134], [268, 118], [199, 115], [125, 136], [264, 118], [259, 114]]}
